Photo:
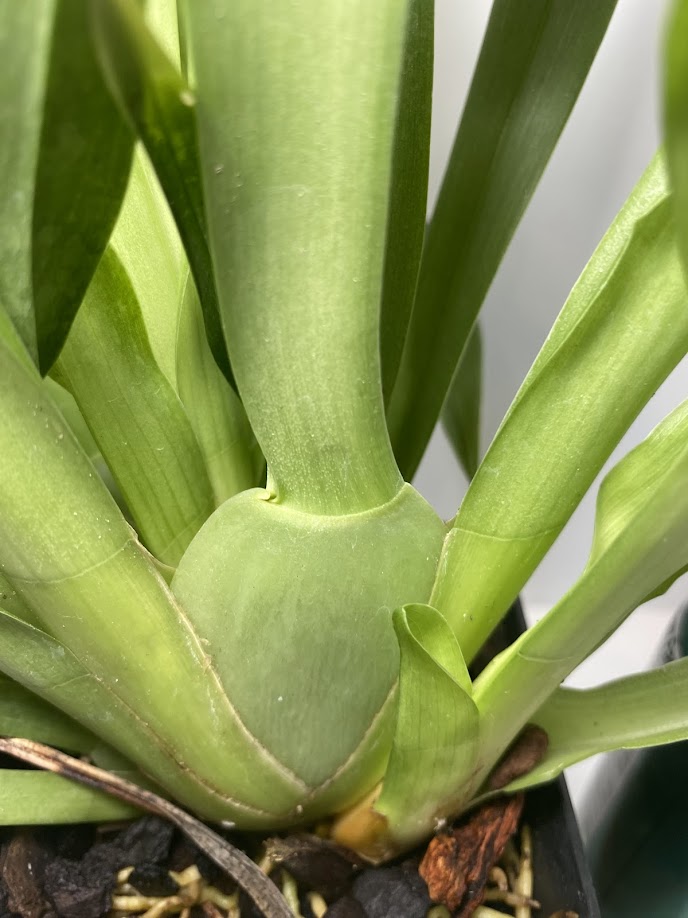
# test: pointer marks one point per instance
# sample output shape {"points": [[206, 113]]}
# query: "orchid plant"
{"points": [[226, 336]]}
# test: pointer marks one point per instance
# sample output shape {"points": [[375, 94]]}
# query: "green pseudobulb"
{"points": [[292, 590], [296, 612]]}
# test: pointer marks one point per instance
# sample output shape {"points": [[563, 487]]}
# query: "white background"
{"points": [[610, 137]]}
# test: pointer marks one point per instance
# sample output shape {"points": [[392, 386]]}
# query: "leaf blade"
{"points": [[621, 331], [159, 106], [436, 736], [135, 416], [146, 241], [24, 714], [646, 709], [641, 532], [533, 62], [25, 34], [34, 798], [72, 558], [461, 412], [408, 189], [82, 169], [675, 102]]}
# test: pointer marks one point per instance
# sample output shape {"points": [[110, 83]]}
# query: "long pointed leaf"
{"points": [[83, 164], [148, 244], [641, 534], [461, 412], [646, 709], [24, 714], [676, 116], [135, 416], [64, 401], [146, 241], [159, 106], [622, 330], [35, 798], [25, 34], [68, 552], [53, 695], [534, 60], [408, 189]]}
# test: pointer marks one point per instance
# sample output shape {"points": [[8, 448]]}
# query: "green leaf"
{"points": [[146, 241], [72, 558], [135, 416], [42, 668], [641, 534], [148, 245], [25, 34], [622, 330], [30, 492], [59, 694], [162, 18], [82, 168], [436, 736], [676, 116], [30, 798], [233, 460], [51, 695], [663, 587], [461, 412], [296, 136], [24, 714], [50, 670], [408, 188], [13, 603], [69, 410], [64, 401], [534, 60], [646, 709], [160, 108]]}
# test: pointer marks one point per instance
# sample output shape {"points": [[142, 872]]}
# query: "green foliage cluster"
{"points": [[226, 336]]}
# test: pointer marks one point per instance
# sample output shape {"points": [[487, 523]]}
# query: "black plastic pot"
{"points": [[562, 878]]}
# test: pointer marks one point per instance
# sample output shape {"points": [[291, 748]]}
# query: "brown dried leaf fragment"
{"points": [[526, 751], [456, 865]]}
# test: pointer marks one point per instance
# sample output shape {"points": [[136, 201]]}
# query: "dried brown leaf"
{"points": [[457, 864], [527, 751]]}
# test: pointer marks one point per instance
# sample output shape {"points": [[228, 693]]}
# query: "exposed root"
{"points": [[193, 890]]}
